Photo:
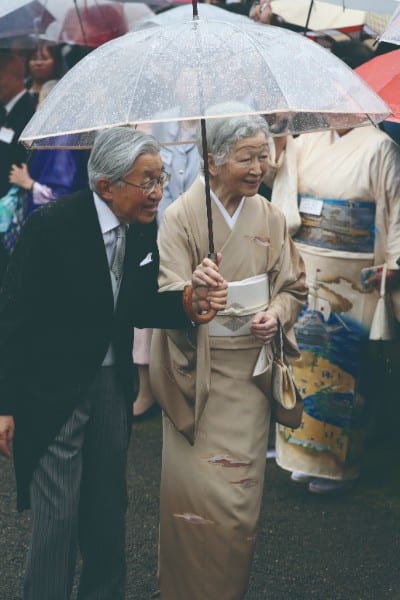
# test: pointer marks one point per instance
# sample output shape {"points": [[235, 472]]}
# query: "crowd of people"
{"points": [[99, 248]]}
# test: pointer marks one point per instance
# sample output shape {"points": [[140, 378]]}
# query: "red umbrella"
{"points": [[382, 74]]}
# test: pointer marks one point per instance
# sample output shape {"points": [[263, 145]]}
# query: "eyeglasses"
{"points": [[149, 187]]}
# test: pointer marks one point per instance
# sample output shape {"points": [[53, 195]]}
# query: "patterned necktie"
{"points": [[117, 261]]}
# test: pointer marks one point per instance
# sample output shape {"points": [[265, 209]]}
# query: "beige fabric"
{"points": [[282, 177], [211, 492], [258, 244], [212, 476]]}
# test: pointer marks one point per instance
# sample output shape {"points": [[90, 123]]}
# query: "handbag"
{"points": [[383, 322], [287, 403], [274, 377]]}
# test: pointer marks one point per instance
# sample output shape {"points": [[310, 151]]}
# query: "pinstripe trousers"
{"points": [[79, 498]]}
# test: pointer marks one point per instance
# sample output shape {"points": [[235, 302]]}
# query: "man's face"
{"points": [[129, 203]]}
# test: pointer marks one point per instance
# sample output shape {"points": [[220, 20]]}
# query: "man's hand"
{"points": [[7, 427], [210, 290], [264, 327]]}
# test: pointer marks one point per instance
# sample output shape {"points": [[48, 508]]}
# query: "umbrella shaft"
{"points": [[207, 186]]}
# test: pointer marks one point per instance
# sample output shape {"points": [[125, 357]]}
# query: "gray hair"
{"points": [[114, 152], [224, 132]]}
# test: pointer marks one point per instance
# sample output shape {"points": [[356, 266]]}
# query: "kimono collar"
{"points": [[230, 220]]}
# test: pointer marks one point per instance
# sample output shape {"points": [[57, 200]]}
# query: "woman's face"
{"points": [[41, 65], [244, 170]]}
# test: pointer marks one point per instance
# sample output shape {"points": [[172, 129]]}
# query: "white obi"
{"points": [[245, 298]]}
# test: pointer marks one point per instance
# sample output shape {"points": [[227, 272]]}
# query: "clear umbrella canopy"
{"points": [[392, 31], [185, 12], [180, 72]]}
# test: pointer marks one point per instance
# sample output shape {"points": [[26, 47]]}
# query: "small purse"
{"points": [[287, 403]]}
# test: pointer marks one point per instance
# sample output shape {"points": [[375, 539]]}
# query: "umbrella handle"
{"points": [[200, 318]]}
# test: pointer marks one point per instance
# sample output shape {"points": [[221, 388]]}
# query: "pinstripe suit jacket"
{"points": [[57, 320]]}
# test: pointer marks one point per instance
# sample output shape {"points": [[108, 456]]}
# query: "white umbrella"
{"points": [[379, 6], [320, 15], [392, 31]]}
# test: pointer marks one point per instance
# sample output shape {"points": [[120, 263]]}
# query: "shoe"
{"points": [[320, 485], [149, 413], [299, 477]]}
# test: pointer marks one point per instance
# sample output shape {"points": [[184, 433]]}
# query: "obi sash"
{"points": [[245, 298], [345, 225]]}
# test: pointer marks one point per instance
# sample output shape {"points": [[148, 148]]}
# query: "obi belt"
{"points": [[347, 225], [245, 298]]}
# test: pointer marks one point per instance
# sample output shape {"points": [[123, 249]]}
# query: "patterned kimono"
{"points": [[216, 419], [349, 204]]}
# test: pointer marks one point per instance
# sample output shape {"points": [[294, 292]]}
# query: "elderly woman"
{"points": [[216, 418]]}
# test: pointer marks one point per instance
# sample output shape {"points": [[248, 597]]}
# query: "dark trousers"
{"points": [[79, 498]]}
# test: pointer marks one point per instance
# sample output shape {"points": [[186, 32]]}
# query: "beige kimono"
{"points": [[216, 418]]}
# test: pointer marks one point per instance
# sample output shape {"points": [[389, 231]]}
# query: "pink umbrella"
{"points": [[382, 74]]}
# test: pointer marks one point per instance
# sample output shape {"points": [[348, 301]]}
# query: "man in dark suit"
{"points": [[16, 108], [82, 275]]}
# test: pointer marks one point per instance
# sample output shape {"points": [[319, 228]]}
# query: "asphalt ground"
{"points": [[309, 547]]}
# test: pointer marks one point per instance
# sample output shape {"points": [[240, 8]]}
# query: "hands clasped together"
{"points": [[210, 290]]}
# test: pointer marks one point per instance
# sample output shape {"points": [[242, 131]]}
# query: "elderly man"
{"points": [[83, 273], [16, 108]]}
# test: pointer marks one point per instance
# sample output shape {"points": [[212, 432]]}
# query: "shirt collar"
{"points": [[10, 105], [108, 221]]}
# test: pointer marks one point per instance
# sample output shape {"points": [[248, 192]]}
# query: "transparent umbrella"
{"points": [[179, 72], [392, 31], [182, 71], [185, 12]]}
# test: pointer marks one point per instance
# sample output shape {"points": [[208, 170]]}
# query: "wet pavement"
{"points": [[309, 547]]}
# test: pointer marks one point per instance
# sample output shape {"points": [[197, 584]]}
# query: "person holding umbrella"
{"points": [[82, 275], [216, 417]]}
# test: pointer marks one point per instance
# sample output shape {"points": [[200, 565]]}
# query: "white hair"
{"points": [[224, 132], [114, 152]]}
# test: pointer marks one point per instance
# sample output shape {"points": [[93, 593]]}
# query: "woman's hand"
{"points": [[210, 290], [20, 176], [264, 326]]}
